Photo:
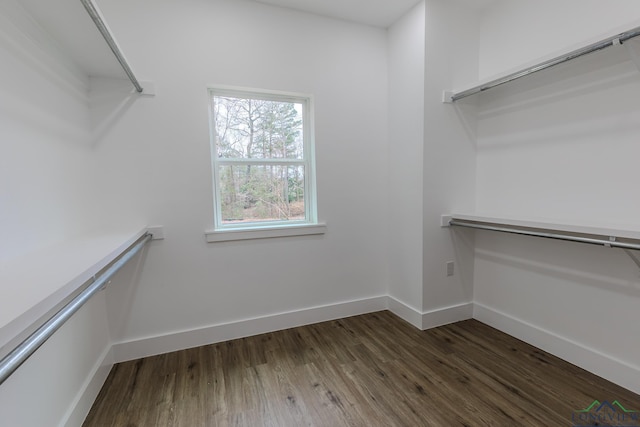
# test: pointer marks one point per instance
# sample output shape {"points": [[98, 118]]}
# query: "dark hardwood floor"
{"points": [[369, 370]]}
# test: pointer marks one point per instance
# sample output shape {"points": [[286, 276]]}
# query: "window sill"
{"points": [[265, 233]]}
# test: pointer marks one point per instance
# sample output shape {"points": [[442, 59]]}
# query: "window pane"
{"points": [[251, 193], [258, 129]]}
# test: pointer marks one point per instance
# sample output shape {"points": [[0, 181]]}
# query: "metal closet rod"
{"points": [[567, 237], [24, 350], [611, 41], [102, 27]]}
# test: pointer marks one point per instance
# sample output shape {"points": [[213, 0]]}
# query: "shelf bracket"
{"points": [[633, 257], [611, 239], [633, 53]]}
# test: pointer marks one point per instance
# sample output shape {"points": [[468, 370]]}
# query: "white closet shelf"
{"points": [[78, 29], [35, 283], [614, 39], [576, 227]]}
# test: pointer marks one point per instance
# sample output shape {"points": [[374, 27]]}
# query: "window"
{"points": [[262, 156]]}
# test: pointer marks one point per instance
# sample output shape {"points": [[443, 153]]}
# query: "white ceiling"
{"points": [[379, 13]]}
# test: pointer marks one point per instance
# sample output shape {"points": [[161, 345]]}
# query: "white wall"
{"points": [[44, 130], [515, 32], [525, 155], [449, 155], [560, 145], [46, 196], [431, 162], [56, 386], [157, 156], [406, 56]]}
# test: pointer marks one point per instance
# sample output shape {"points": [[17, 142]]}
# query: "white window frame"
{"points": [[276, 228]]}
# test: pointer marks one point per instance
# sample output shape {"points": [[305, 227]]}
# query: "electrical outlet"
{"points": [[450, 268]]}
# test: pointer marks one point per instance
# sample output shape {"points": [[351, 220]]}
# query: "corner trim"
{"points": [[432, 318], [446, 315], [405, 311]]}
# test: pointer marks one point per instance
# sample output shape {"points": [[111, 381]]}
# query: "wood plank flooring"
{"points": [[369, 370]]}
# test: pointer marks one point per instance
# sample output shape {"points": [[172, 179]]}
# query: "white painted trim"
{"points": [[446, 315], [432, 318], [605, 366], [150, 346], [308, 138], [88, 393], [253, 93], [405, 311], [265, 233]]}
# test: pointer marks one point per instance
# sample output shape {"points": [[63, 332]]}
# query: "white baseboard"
{"points": [[432, 318], [145, 347], [150, 346], [614, 370], [81, 405], [600, 364], [405, 311], [446, 315]]}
